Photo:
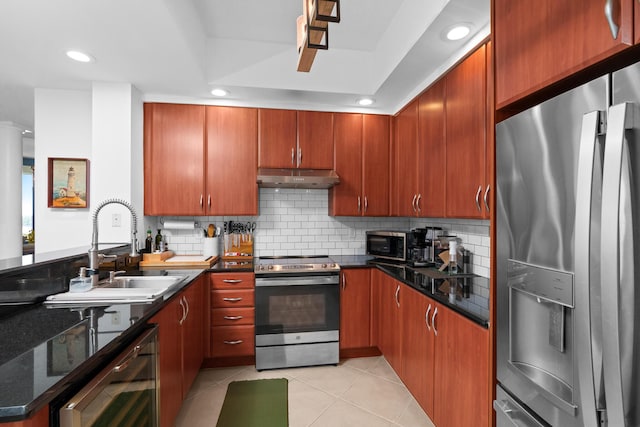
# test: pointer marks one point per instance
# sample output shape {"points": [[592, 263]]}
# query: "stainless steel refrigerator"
{"points": [[568, 224]]}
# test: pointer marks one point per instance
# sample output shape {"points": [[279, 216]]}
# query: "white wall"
{"points": [[104, 125], [113, 166], [62, 129]]}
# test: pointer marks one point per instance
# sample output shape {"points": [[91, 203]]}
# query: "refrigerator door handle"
{"points": [[616, 203], [583, 243]]}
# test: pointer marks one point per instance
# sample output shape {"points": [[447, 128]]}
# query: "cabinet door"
{"points": [[461, 372], [418, 348], [490, 157], [376, 169], [315, 140], [277, 138], [539, 43], [390, 342], [466, 147], [432, 151], [193, 334], [346, 197], [232, 161], [169, 361], [174, 159], [406, 159], [39, 419], [355, 308]]}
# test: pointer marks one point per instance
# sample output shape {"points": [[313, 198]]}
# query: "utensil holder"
{"points": [[210, 247]]}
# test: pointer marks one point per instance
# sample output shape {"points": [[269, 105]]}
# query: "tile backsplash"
{"points": [[296, 222]]}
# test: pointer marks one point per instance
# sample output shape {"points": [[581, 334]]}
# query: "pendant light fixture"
{"points": [[313, 29]]}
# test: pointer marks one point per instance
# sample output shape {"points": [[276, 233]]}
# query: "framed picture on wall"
{"points": [[68, 183]]}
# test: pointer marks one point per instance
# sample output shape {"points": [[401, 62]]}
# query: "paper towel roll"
{"points": [[179, 225]]}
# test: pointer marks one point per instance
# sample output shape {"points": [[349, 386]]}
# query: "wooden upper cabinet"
{"points": [[406, 160], [376, 170], [344, 197], [539, 43], [295, 139], [465, 109], [174, 181], [232, 152], [315, 140], [361, 159], [432, 150], [277, 138]]}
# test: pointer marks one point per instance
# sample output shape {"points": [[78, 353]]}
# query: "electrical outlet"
{"points": [[115, 318], [352, 233], [116, 220]]}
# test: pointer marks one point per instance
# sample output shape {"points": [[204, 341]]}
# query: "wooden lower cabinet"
{"points": [[441, 356], [233, 341], [461, 371], [355, 308], [39, 419], [181, 347], [232, 315], [389, 335], [418, 345]]}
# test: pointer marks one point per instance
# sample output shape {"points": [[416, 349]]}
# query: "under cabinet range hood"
{"points": [[297, 178]]}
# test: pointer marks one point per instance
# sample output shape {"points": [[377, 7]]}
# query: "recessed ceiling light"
{"points": [[365, 101], [76, 55], [458, 32], [219, 92]]}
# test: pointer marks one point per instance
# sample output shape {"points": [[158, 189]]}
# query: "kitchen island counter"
{"points": [[48, 352]]}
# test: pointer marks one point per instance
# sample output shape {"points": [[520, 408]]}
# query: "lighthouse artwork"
{"points": [[68, 183]]}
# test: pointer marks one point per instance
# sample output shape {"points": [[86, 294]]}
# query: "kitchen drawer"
{"points": [[229, 341], [232, 280], [233, 298], [232, 316]]}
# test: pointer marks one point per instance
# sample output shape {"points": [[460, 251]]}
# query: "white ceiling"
{"points": [[178, 50]]}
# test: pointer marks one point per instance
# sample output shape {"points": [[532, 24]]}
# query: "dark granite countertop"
{"points": [[223, 266], [49, 351], [471, 296], [466, 294]]}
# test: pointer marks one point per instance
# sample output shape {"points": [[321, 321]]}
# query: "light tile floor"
{"points": [[358, 392]]}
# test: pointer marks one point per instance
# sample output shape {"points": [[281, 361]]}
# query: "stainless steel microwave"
{"points": [[390, 245]]}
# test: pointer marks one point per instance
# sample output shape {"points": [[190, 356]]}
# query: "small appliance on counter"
{"points": [[418, 249], [388, 245]]}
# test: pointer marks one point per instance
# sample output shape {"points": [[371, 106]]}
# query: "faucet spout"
{"points": [[94, 257]]}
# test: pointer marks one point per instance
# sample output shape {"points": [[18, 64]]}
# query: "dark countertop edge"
{"points": [[444, 301], [98, 361], [13, 265]]}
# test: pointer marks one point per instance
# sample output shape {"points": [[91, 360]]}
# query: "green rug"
{"points": [[258, 403]]}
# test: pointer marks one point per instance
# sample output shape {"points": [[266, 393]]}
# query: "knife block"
{"points": [[238, 247]]}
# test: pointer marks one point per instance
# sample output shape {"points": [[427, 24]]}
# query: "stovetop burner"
{"points": [[295, 264]]}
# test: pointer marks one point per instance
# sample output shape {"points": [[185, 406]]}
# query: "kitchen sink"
{"points": [[146, 282], [120, 290]]}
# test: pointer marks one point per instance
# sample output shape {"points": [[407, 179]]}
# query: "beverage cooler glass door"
{"points": [[123, 394]]}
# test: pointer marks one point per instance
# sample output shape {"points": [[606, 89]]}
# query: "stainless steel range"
{"points": [[297, 312]]}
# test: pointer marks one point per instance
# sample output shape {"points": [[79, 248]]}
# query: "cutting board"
{"points": [[168, 260]]}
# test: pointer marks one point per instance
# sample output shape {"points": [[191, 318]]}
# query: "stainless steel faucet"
{"points": [[94, 256]]}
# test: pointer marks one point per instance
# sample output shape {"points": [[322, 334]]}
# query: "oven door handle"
{"points": [[297, 281]]}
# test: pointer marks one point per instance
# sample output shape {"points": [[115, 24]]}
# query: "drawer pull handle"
{"points": [[233, 281], [233, 317], [232, 299], [236, 342]]}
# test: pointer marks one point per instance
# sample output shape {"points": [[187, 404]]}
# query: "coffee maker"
{"points": [[417, 248]]}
